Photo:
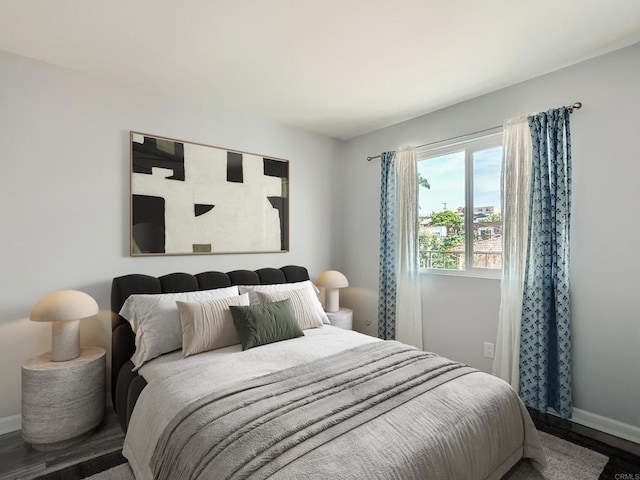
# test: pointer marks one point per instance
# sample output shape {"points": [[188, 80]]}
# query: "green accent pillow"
{"points": [[266, 323]]}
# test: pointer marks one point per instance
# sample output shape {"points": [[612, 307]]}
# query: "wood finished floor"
{"points": [[561, 427], [19, 461]]}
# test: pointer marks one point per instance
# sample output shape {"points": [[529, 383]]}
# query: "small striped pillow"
{"points": [[303, 303], [208, 325]]}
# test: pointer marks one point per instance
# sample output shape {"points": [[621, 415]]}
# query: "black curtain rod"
{"points": [[575, 106]]}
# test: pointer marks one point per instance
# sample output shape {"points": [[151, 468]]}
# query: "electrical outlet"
{"points": [[489, 349]]}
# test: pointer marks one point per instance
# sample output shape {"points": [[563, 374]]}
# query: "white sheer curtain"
{"points": [[409, 301], [516, 190]]}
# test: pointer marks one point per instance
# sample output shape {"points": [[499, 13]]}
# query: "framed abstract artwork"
{"points": [[189, 198]]}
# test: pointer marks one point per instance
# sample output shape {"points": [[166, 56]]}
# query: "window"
{"points": [[460, 209]]}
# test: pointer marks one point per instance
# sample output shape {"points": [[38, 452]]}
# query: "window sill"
{"points": [[476, 273]]}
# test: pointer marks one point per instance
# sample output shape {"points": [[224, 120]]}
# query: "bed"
{"points": [[331, 403]]}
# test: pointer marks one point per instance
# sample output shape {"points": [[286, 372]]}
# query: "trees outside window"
{"points": [[459, 184]]}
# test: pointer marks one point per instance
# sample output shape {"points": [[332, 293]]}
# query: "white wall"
{"points": [[64, 196], [461, 313]]}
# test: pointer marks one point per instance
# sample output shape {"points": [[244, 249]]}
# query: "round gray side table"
{"points": [[62, 401], [343, 318]]}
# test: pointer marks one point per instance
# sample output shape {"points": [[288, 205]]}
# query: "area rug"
{"points": [[566, 460]]}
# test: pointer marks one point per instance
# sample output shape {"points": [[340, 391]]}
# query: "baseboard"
{"points": [[10, 424], [607, 425]]}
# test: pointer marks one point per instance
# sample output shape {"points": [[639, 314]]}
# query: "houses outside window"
{"points": [[460, 205]]}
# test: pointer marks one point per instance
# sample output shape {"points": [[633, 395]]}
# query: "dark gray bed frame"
{"points": [[127, 385]]}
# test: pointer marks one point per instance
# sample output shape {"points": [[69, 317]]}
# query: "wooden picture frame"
{"points": [[190, 198]]}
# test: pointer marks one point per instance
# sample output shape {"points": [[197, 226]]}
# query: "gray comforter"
{"points": [[362, 413]]}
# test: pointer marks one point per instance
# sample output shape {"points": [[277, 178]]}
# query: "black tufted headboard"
{"points": [[127, 385]]}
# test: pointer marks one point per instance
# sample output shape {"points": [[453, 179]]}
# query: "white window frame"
{"points": [[479, 141]]}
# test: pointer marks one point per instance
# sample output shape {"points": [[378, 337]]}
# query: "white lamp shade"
{"points": [[64, 309], [332, 279], [64, 305]]}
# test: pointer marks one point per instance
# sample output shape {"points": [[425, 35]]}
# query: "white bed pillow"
{"points": [[209, 325], [302, 303], [155, 321], [284, 287]]}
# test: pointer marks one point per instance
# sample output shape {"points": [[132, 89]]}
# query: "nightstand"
{"points": [[62, 401], [343, 318]]}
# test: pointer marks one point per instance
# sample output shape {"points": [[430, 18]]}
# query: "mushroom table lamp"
{"points": [[64, 309], [332, 281]]}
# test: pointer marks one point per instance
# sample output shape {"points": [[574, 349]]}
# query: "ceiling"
{"points": [[337, 67]]}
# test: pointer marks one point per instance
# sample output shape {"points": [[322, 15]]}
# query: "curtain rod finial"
{"points": [[575, 106]]}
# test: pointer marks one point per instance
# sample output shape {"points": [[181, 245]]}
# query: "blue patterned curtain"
{"points": [[388, 249], [545, 340]]}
